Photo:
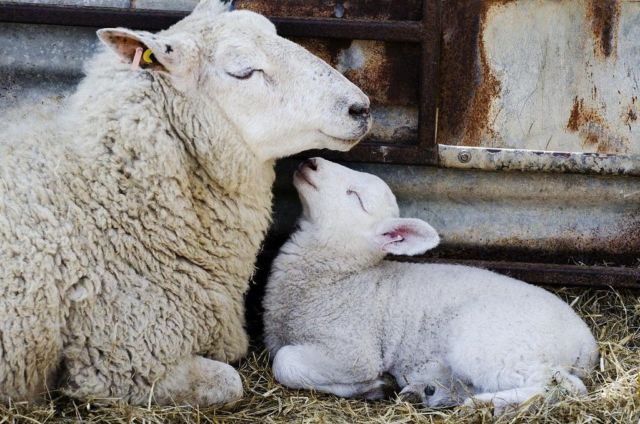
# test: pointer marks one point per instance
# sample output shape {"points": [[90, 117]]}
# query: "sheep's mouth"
{"points": [[300, 175], [342, 140]]}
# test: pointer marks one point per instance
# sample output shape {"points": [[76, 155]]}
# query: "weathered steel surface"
{"points": [[387, 72], [91, 3], [492, 159], [541, 75]]}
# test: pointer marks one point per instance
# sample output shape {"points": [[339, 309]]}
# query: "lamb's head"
{"points": [[356, 213], [279, 98]]}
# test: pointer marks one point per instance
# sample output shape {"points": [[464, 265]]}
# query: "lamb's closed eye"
{"points": [[243, 74], [354, 193]]}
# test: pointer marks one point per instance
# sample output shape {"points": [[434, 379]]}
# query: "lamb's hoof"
{"points": [[433, 395], [494, 407], [475, 403], [385, 388]]}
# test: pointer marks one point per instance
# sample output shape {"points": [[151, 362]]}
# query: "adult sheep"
{"points": [[130, 226]]}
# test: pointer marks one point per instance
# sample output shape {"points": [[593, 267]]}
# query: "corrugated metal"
{"points": [[541, 75]]}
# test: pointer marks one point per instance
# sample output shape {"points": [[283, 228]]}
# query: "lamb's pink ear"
{"points": [[406, 236], [161, 53], [213, 7]]}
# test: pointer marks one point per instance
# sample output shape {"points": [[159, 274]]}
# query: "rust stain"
{"points": [[604, 16], [594, 129], [350, 9], [387, 72], [630, 114], [468, 85]]}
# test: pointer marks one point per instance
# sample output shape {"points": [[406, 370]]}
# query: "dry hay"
{"points": [[614, 389]]}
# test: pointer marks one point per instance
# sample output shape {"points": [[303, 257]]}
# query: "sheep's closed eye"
{"points": [[244, 73], [355, 193]]}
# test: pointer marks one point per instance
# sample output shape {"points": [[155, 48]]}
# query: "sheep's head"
{"points": [[276, 95], [357, 211]]}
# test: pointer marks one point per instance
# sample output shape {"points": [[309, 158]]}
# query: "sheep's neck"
{"points": [[213, 144], [155, 174]]}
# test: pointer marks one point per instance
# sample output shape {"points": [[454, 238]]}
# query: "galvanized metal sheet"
{"points": [[184, 5], [541, 75]]}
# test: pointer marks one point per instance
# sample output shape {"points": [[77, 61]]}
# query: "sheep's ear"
{"points": [[406, 236], [214, 7], [161, 53]]}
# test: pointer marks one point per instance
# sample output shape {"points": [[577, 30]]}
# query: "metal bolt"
{"points": [[339, 9], [464, 156]]}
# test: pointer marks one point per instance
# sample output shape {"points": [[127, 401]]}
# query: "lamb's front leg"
{"points": [[314, 368]]}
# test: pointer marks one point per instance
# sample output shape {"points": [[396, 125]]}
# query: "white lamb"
{"points": [[338, 316], [129, 226]]}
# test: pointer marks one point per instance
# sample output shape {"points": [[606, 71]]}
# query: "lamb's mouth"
{"points": [[302, 176]]}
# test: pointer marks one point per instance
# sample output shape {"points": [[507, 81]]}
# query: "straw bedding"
{"points": [[614, 389]]}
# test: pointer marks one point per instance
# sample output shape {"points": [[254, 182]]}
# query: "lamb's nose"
{"points": [[312, 164], [359, 110]]}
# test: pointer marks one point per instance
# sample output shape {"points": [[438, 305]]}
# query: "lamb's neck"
{"points": [[312, 260]]}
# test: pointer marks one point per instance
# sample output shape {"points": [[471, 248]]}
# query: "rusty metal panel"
{"points": [[389, 74], [541, 75]]}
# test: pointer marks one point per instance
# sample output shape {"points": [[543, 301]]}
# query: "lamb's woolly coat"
{"points": [[129, 229], [338, 316]]}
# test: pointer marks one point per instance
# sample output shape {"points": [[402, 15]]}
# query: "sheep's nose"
{"points": [[429, 391], [312, 164], [359, 110]]}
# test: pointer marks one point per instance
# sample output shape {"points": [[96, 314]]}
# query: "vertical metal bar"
{"points": [[429, 80]]}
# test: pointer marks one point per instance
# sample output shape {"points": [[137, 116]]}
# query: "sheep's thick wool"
{"points": [[130, 225], [121, 253]]}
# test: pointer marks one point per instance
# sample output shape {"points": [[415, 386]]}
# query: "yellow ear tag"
{"points": [[147, 56]]}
